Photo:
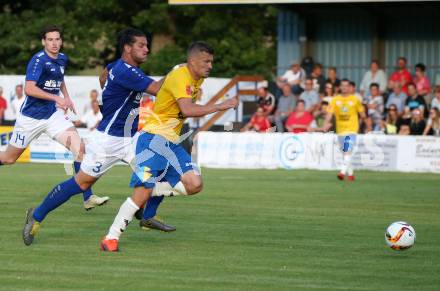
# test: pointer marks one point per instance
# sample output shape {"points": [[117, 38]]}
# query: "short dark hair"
{"points": [[199, 47], [403, 59], [317, 65], [352, 83], [127, 36], [421, 66], [375, 62], [345, 80], [51, 28], [309, 79], [301, 101], [374, 85], [411, 84]]}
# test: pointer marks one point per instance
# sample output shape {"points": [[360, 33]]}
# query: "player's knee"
{"points": [[9, 160], [194, 186]]}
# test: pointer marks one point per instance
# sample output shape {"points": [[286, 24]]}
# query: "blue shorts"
{"points": [[158, 160], [347, 142]]}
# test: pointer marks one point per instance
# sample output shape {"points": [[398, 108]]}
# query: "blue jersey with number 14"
{"points": [[48, 74]]}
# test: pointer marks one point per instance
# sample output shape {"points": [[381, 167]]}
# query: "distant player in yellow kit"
{"points": [[346, 108], [160, 159]]}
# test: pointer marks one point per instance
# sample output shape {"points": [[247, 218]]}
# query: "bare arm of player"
{"points": [[103, 78], [68, 102], [155, 87], [31, 89], [190, 109], [327, 122]]}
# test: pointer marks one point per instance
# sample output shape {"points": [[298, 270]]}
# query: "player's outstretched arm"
{"points": [[155, 87], [190, 109], [31, 89]]}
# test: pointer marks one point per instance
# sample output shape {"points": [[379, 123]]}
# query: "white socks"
{"points": [[165, 189], [346, 165], [122, 219]]}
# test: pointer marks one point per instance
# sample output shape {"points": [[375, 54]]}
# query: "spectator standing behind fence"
{"points": [[435, 103], [3, 106], [17, 100], [433, 124], [92, 118], [397, 97], [93, 96], [414, 100], [310, 96], [402, 75], [259, 122], [392, 122], [375, 106], [422, 82], [266, 100], [294, 77], [300, 119], [318, 78], [374, 75], [418, 124], [332, 78], [286, 104]]}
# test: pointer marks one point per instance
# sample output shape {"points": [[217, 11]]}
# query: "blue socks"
{"points": [[151, 207], [60, 194], [88, 192]]}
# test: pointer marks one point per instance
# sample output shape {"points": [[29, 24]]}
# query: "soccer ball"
{"points": [[400, 235]]}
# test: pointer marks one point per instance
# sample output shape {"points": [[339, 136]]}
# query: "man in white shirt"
{"points": [[374, 75], [17, 100], [295, 77], [92, 118]]}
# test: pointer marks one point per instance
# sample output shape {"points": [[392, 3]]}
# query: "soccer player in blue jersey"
{"points": [[44, 109], [112, 141]]}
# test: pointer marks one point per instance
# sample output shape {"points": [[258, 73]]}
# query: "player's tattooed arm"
{"points": [[31, 89]]}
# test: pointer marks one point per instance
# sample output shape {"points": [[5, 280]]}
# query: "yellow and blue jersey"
{"points": [[346, 110], [167, 120]]}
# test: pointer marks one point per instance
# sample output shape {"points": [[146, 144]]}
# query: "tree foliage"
{"points": [[243, 36]]}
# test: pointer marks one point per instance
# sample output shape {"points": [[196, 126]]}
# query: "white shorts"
{"points": [[27, 129], [103, 151]]}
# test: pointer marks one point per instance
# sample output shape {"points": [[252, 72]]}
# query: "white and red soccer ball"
{"points": [[400, 235]]}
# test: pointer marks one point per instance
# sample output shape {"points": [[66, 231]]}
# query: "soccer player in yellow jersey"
{"points": [[346, 108], [160, 159]]}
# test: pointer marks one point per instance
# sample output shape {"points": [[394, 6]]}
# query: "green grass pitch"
{"points": [[248, 230]]}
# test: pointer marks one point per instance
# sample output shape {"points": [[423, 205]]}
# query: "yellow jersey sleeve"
{"points": [[359, 106], [166, 119], [179, 85]]}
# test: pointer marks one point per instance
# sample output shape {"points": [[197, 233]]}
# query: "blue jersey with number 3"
{"points": [[48, 74]]}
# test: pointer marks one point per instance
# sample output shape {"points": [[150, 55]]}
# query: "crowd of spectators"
{"points": [[403, 104]]}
